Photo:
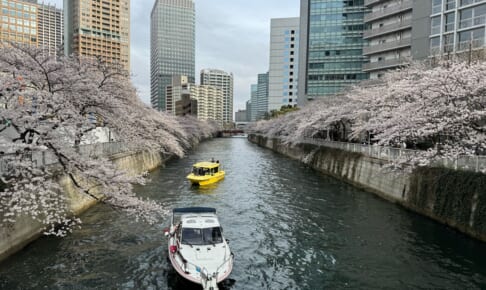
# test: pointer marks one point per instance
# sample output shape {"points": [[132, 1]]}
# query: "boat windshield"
{"points": [[207, 236]]}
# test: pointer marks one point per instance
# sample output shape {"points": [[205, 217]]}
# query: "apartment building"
{"points": [[389, 35], [98, 29], [223, 80]]}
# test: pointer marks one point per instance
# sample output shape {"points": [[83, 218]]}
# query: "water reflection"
{"points": [[289, 227]]}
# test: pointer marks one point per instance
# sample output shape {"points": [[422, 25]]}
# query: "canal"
{"points": [[289, 227]]}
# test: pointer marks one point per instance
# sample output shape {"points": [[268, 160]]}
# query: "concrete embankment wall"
{"points": [[14, 237], [454, 198]]}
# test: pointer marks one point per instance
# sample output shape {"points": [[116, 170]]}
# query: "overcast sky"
{"points": [[232, 35]]}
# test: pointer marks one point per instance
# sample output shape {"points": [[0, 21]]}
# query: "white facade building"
{"points": [[283, 73], [223, 80]]}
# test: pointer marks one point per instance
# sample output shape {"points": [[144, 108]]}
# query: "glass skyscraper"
{"points": [[172, 45], [331, 47]]}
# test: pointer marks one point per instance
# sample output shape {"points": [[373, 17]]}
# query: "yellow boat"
{"points": [[204, 173]]}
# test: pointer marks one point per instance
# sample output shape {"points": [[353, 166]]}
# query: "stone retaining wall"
{"points": [[14, 237], [452, 197]]}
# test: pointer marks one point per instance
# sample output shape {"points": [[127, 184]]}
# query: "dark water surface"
{"points": [[289, 227]]}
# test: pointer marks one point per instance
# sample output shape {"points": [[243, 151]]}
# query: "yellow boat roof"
{"points": [[206, 164]]}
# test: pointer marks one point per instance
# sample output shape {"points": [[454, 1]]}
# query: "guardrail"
{"points": [[46, 158], [470, 163]]}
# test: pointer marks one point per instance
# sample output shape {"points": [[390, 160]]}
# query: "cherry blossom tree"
{"points": [[442, 105], [51, 106]]}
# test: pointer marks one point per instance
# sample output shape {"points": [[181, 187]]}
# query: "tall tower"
{"points": [[172, 46], [94, 28], [331, 47], [50, 28], [223, 80], [284, 55]]}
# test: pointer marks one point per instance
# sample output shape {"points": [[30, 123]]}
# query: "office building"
{"points": [[98, 29], [175, 92], [50, 29], [172, 46], [330, 47], [457, 26], [18, 22], [253, 102], [259, 98], [248, 110], [283, 71], [223, 80], [240, 116]]}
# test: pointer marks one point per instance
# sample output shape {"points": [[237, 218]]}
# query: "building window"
{"points": [[436, 6], [449, 24], [450, 4], [435, 25]]}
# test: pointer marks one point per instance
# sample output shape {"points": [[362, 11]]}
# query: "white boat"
{"points": [[197, 248]]}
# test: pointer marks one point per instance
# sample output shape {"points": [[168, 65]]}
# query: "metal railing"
{"points": [[391, 10], [470, 163]]}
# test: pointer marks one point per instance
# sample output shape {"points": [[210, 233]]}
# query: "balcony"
{"points": [[372, 2], [387, 46], [386, 64], [395, 9], [405, 24]]}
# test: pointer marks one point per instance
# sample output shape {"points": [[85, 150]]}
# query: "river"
{"points": [[289, 227]]}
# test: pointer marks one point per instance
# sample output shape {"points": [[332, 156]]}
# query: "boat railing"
{"points": [[229, 259]]}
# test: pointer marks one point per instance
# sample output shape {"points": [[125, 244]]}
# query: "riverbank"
{"points": [[25, 230], [451, 197]]}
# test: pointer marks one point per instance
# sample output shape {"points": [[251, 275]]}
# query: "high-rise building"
{"points": [[259, 98], [223, 80], [248, 111], [18, 22], [209, 103], [457, 26], [330, 48], [29, 23], [240, 116], [172, 46], [389, 35], [98, 29], [283, 71], [50, 28], [175, 92], [183, 98], [253, 102]]}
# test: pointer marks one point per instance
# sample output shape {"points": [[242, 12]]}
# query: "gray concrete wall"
{"points": [[421, 29], [454, 198], [16, 236]]}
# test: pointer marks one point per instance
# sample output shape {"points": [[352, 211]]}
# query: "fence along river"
{"points": [[289, 227]]}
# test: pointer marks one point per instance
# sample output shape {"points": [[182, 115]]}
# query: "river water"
{"points": [[289, 227]]}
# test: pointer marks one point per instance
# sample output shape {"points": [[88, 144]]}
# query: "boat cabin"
{"points": [[197, 230], [205, 168]]}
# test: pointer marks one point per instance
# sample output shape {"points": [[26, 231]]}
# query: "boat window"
{"points": [[212, 235], [207, 236], [192, 236]]}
